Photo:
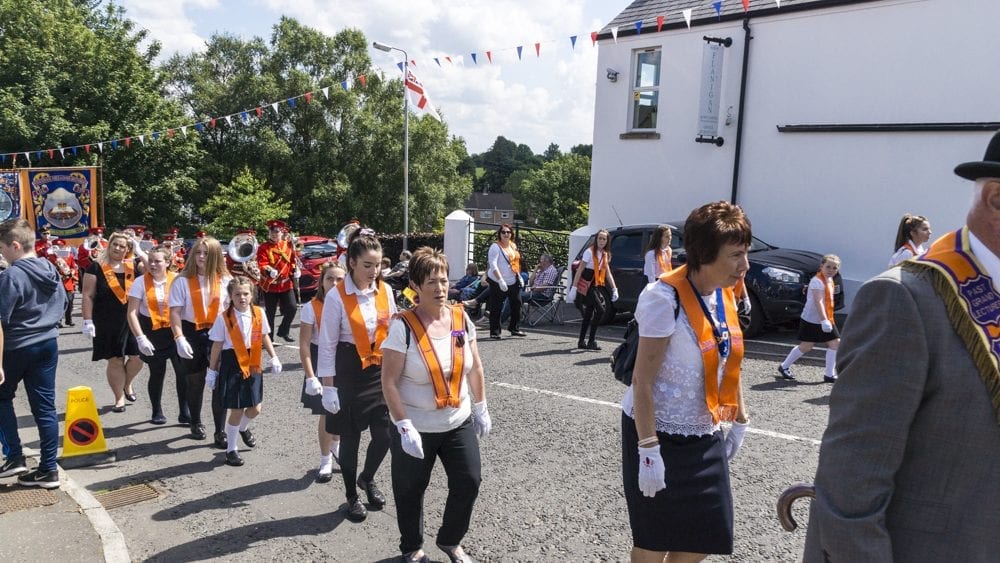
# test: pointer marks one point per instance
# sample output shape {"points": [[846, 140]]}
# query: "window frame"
{"points": [[633, 89]]}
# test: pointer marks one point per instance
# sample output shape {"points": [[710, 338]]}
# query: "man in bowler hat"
{"points": [[909, 467]]}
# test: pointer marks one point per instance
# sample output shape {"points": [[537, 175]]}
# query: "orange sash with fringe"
{"points": [[827, 294], [600, 264], [447, 393], [317, 312], [159, 313], [722, 401], [663, 259], [247, 356], [109, 275], [203, 320], [370, 354]]}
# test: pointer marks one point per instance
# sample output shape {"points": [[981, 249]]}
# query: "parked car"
{"points": [[315, 251], [777, 279]]}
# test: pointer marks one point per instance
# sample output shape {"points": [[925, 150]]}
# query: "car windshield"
{"points": [[319, 250]]}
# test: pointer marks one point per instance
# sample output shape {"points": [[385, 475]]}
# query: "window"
{"points": [[485, 214], [504, 215], [627, 250], [645, 89]]}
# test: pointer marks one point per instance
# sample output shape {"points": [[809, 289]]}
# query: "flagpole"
{"points": [[406, 140]]}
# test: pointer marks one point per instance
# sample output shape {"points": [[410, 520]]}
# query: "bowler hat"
{"points": [[988, 167]]}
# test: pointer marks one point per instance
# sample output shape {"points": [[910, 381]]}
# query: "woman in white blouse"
{"points": [[675, 461], [433, 382], [658, 253], [149, 320], [912, 236], [503, 274]]}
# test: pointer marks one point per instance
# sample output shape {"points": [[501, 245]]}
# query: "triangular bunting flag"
{"points": [[199, 127], [291, 103], [346, 85], [593, 38], [489, 56], [614, 33], [260, 112], [449, 60], [114, 145], [474, 61], [86, 149], [28, 158], [778, 2], [128, 142], [638, 27], [74, 150], [309, 97], [746, 5], [659, 23], [687, 16], [363, 80], [438, 61], [38, 155], [245, 117], [538, 49], [519, 48], [572, 42], [413, 63], [3, 159], [400, 65], [100, 147], [51, 152], [156, 135], [718, 9], [229, 120], [184, 130], [62, 153], [211, 123], [274, 106], [326, 92], [142, 140]]}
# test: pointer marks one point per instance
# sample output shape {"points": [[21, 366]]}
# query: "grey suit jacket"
{"points": [[909, 467]]}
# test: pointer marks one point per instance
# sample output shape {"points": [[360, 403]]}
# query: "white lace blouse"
{"points": [[679, 390]]}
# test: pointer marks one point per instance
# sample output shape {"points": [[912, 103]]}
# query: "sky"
{"points": [[540, 99]]}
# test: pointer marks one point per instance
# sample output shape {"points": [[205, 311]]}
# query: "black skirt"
{"points": [[694, 513], [811, 332], [360, 393], [312, 402], [200, 345], [113, 338], [162, 340], [237, 392]]}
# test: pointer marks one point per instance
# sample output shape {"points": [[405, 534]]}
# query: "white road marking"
{"points": [[789, 437]]}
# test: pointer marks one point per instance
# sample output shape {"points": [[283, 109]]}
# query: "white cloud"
{"points": [[169, 23]]}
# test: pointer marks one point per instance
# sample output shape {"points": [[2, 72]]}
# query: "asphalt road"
{"points": [[551, 486]]}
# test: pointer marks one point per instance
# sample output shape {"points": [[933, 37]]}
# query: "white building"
{"points": [[856, 111]]}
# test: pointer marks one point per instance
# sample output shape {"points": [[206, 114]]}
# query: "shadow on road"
{"points": [[555, 352], [592, 362], [232, 498], [784, 384]]}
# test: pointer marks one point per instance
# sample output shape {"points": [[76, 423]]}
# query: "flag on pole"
{"points": [[418, 97]]}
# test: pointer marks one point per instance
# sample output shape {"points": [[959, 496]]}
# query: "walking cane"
{"points": [[785, 501]]}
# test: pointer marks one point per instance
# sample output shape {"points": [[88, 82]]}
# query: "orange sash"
{"points": [[203, 320], [445, 395], [600, 265], [664, 261], [317, 312], [722, 401], [828, 295], [109, 275], [369, 354], [159, 313], [247, 356], [909, 246], [513, 256]]}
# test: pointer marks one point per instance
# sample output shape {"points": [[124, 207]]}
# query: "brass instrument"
{"points": [[242, 250], [344, 236]]}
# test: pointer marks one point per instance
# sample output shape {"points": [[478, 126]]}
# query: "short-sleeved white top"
{"points": [[218, 332], [415, 387], [651, 266], [588, 257], [138, 290], [335, 324], [307, 316], [180, 296], [809, 312]]}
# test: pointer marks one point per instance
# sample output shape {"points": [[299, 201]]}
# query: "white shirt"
{"points": [[588, 258], [651, 266], [181, 297], [497, 259], [138, 290], [335, 324], [986, 258], [308, 317], [415, 388], [903, 253], [218, 332], [809, 312], [679, 390]]}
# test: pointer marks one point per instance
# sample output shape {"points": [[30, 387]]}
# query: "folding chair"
{"points": [[545, 307]]}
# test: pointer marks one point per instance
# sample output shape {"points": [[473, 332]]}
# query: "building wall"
{"points": [[888, 62]]}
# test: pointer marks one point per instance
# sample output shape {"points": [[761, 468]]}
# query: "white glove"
{"points": [[481, 419], [614, 295], [503, 287], [331, 400], [297, 274], [184, 349], [313, 386], [571, 296], [271, 272], [89, 329], [652, 473], [210, 377], [734, 438], [410, 438], [826, 325], [145, 346], [137, 249], [746, 305], [275, 366]]}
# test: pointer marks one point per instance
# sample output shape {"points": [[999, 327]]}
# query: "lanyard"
{"points": [[720, 330]]}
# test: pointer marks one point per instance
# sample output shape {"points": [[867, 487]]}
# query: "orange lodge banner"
{"points": [[64, 199]]}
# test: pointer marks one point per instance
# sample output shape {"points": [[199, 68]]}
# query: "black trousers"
{"points": [[590, 315], [459, 453], [157, 374], [194, 375], [285, 300], [69, 306], [513, 297], [350, 445]]}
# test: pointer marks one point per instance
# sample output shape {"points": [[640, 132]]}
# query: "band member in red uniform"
{"points": [[176, 263], [91, 248], [276, 260], [44, 242], [66, 266], [246, 245]]}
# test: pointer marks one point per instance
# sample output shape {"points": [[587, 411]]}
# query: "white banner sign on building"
{"points": [[711, 89]]}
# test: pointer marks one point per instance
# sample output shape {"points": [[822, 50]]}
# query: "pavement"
{"points": [[551, 469]]}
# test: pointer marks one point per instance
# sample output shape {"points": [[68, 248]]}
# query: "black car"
{"points": [[777, 279]]}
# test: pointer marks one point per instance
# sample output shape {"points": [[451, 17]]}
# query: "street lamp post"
{"points": [[406, 140]]}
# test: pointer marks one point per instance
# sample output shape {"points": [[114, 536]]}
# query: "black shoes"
{"points": [[495, 336], [356, 512], [593, 346], [829, 379], [39, 478], [118, 408], [286, 337], [785, 373], [375, 497], [158, 418], [13, 466], [198, 431], [219, 440], [130, 397], [233, 458], [248, 438], [455, 554], [518, 333]]}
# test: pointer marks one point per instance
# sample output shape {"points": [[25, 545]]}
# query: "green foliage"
{"points": [[531, 243], [245, 203], [503, 158], [557, 194]]}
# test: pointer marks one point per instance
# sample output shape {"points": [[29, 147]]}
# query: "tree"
{"points": [[583, 150], [245, 203], [557, 194], [551, 153]]}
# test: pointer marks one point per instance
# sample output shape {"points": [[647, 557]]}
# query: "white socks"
{"points": [[245, 423], [794, 355], [831, 363], [231, 432], [326, 464]]}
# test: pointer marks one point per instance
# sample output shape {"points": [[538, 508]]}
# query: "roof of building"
{"points": [[703, 13], [490, 201]]}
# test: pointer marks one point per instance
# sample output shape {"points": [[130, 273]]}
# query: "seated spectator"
{"points": [[543, 281], [471, 277], [401, 268], [386, 266]]}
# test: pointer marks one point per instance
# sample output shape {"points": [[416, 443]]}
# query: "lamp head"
{"points": [[381, 46]]}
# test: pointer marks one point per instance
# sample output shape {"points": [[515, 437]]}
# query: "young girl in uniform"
{"points": [[238, 336], [912, 236], [310, 319], [149, 320], [354, 323], [817, 324], [595, 267], [658, 254]]}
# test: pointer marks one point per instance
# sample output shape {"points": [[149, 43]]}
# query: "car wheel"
{"points": [[753, 323]]}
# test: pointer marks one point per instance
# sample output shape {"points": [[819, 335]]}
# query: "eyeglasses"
{"points": [[506, 232]]}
